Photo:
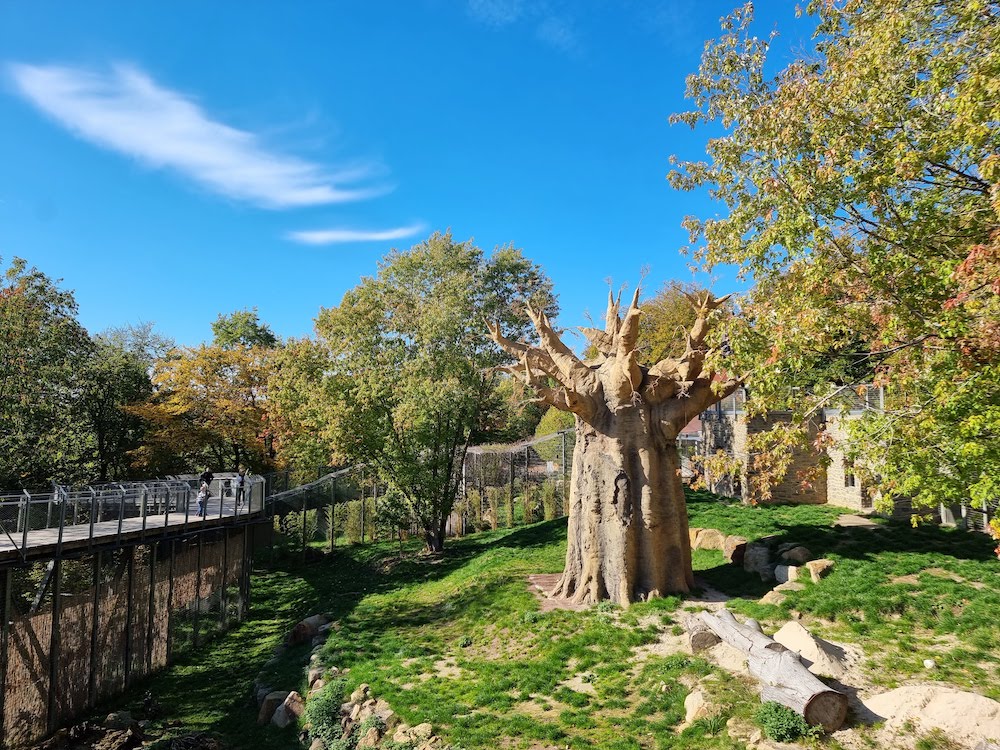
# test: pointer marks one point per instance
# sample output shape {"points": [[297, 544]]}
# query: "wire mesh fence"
{"points": [[501, 486]]}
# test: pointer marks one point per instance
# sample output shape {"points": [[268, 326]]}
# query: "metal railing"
{"points": [[101, 511]]}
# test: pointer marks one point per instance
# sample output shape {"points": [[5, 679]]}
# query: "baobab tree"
{"points": [[628, 529]]}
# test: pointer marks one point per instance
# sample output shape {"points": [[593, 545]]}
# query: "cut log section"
{"points": [[782, 675], [700, 636]]}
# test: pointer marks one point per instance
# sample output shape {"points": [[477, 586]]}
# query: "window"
{"points": [[849, 479]]}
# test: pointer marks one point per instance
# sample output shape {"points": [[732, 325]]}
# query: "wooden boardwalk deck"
{"points": [[42, 543]]}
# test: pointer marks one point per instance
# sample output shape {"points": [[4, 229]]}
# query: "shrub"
{"points": [[323, 712], [782, 724]]}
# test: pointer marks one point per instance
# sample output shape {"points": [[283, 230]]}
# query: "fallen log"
{"points": [[782, 675], [700, 636]]}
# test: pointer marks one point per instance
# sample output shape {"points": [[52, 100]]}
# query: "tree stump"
{"points": [[782, 675]]}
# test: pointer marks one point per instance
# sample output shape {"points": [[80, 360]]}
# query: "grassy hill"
{"points": [[460, 641]]}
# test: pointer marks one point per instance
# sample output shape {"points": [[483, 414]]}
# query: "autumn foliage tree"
{"points": [[628, 529], [859, 189]]}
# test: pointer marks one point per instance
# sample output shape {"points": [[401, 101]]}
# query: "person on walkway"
{"points": [[241, 484], [204, 492]]}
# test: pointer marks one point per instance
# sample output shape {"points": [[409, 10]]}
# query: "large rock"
{"points": [[422, 732], [786, 573], [710, 539], [360, 695], [799, 554], [281, 718], [120, 720], [371, 738], [695, 707], [734, 549], [966, 718], [818, 656], [294, 705], [402, 734], [757, 559], [270, 704], [819, 568]]}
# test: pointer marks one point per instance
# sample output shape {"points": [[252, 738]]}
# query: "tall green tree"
{"points": [[42, 350], [415, 365], [860, 190], [111, 378], [242, 328]]}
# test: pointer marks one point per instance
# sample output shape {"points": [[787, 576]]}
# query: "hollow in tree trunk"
{"points": [[628, 530]]}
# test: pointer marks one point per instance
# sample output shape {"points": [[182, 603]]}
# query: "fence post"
{"points": [[333, 513], [151, 611], [130, 591], [93, 510], [363, 506], [27, 522], [95, 606], [51, 721], [4, 638]]}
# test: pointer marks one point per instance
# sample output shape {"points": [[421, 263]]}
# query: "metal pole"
{"points": [[27, 523], [170, 599], [333, 513], [527, 459], [93, 510], [62, 525], [4, 638], [225, 570], [151, 612], [145, 499], [363, 498], [245, 578], [121, 514], [197, 596], [51, 718], [130, 571], [96, 605]]}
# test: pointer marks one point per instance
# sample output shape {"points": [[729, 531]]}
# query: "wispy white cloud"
{"points": [[559, 33], [552, 21], [125, 110], [496, 12], [340, 235]]}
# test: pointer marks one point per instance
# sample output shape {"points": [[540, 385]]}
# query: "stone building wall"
{"points": [[843, 487]]}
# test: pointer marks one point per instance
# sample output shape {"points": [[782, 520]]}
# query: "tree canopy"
{"points": [[415, 368], [860, 185]]}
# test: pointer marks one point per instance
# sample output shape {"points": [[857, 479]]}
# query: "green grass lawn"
{"points": [[458, 640]]}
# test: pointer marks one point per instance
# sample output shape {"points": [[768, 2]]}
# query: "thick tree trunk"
{"points": [[628, 529], [782, 675]]}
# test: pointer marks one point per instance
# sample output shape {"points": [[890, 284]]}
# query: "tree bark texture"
{"points": [[628, 529], [782, 676]]}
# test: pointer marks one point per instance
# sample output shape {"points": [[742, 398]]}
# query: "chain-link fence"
{"points": [[501, 486]]}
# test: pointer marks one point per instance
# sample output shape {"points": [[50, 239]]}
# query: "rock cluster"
{"points": [[786, 563], [371, 718]]}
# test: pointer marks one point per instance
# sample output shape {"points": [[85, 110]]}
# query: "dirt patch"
{"points": [[541, 584], [582, 682]]}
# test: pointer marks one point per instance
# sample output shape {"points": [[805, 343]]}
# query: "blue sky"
{"points": [[173, 161]]}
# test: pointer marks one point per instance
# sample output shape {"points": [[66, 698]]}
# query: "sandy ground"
{"points": [[893, 720]]}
